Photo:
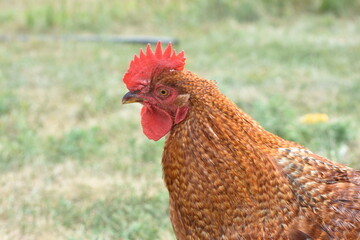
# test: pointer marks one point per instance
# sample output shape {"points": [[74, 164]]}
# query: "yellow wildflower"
{"points": [[312, 118]]}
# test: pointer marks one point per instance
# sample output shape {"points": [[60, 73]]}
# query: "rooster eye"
{"points": [[163, 92]]}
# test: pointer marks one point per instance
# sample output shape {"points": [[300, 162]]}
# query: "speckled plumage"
{"points": [[230, 179], [227, 177]]}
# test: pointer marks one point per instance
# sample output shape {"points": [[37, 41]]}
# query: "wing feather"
{"points": [[329, 194]]}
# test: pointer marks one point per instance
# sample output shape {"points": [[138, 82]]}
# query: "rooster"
{"points": [[227, 177]]}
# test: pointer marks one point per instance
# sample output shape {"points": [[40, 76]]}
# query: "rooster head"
{"points": [[163, 104]]}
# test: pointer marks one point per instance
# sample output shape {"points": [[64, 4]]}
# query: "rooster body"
{"points": [[227, 177]]}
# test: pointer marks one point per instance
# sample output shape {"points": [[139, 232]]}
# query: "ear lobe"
{"points": [[155, 122], [181, 113]]}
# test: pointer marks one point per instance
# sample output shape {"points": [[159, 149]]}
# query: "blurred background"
{"points": [[74, 163]]}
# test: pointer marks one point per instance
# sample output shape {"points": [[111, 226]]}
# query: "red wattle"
{"points": [[155, 122]]}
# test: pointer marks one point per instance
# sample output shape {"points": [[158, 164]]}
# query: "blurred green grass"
{"points": [[100, 16], [74, 163]]}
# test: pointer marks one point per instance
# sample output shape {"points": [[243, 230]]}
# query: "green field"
{"points": [[74, 163]]}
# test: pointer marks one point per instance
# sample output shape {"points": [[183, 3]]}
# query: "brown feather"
{"points": [[228, 178]]}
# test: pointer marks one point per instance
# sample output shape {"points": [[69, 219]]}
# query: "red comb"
{"points": [[143, 67]]}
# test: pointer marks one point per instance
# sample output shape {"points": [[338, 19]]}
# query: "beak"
{"points": [[131, 98]]}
